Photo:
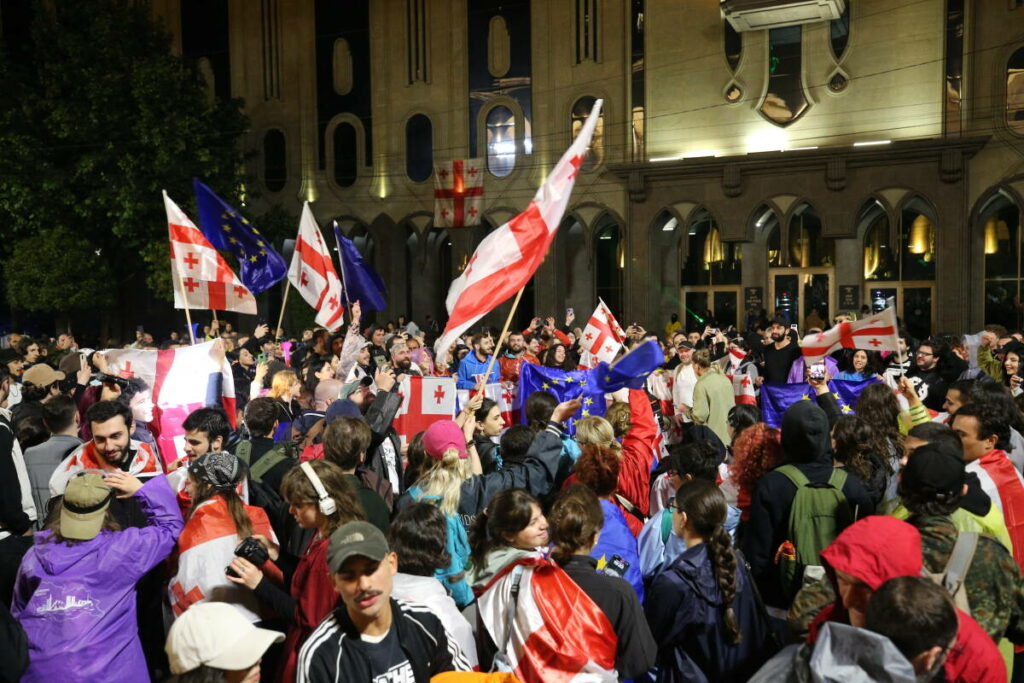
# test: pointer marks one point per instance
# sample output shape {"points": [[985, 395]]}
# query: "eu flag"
{"points": [[632, 369], [262, 267], [564, 385], [777, 398], [361, 282]]}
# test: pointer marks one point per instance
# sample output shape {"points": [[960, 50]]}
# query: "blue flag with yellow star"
{"points": [[227, 230], [631, 370], [777, 398], [564, 385]]}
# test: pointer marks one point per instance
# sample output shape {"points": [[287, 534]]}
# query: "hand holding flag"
{"points": [[360, 281]]}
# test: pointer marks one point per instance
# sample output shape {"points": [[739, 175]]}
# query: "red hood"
{"points": [[876, 549]]}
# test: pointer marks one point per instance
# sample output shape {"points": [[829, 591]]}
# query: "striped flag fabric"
{"points": [[509, 256], [875, 333], [201, 277], [312, 272], [602, 337], [559, 634], [181, 380]]}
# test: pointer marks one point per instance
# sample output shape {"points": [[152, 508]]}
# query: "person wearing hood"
{"points": [[806, 444], [910, 626], [865, 556], [75, 591], [703, 608]]}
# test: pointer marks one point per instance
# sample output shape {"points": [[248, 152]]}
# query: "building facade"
{"points": [[809, 168]]}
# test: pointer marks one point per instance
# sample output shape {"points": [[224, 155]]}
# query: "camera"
{"points": [[252, 550]]}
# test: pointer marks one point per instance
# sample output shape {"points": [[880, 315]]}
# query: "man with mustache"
{"points": [[372, 636]]}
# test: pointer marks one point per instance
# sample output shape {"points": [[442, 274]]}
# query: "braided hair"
{"points": [[705, 508]]}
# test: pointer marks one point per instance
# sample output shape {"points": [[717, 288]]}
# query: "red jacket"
{"points": [[315, 599], [879, 548], [638, 451]]}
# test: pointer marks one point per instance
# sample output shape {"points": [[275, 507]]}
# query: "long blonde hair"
{"points": [[444, 480], [597, 431], [282, 383]]}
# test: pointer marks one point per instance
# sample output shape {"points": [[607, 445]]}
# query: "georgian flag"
{"points": [[558, 635], [206, 547], [875, 333], [312, 272], [602, 337], [181, 380], [506, 395], [458, 193], [510, 255], [201, 277], [425, 400]]}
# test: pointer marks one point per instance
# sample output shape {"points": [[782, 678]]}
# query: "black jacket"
{"points": [[636, 648], [333, 651], [807, 445]]}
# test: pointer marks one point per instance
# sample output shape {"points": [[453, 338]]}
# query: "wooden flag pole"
{"points": [[188, 313], [284, 303], [504, 331]]}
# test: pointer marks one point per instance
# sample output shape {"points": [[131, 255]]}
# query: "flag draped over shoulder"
{"points": [[777, 398], [875, 333], [360, 281], [200, 276], [261, 266], [425, 400], [510, 255], [559, 634], [312, 272], [181, 380]]}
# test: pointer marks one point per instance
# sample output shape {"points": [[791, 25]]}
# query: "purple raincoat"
{"points": [[77, 603]]}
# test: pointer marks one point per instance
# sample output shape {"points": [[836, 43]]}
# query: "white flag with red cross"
{"points": [[312, 272], [602, 336], [458, 193], [504, 394], [200, 276], [425, 400], [876, 332], [511, 253]]}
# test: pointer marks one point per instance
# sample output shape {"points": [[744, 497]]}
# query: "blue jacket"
{"points": [[469, 366], [617, 539], [684, 610], [658, 545]]}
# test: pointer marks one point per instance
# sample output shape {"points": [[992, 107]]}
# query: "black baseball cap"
{"points": [[934, 469]]}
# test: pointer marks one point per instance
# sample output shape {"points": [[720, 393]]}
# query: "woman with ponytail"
{"points": [[703, 609]]}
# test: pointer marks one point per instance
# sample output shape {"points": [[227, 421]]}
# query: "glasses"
{"points": [[672, 507], [924, 353]]}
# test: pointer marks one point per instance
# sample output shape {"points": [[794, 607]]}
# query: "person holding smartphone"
{"points": [[778, 357]]}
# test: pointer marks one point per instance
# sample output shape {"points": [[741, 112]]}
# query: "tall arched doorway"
{"points": [[801, 274], [711, 275]]}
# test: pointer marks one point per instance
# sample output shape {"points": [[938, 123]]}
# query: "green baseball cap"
{"points": [[355, 539], [84, 508]]}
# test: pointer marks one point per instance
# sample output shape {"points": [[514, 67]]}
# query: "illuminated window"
{"points": [[275, 163], [999, 223], [785, 100], [595, 153], [709, 260], [501, 141]]}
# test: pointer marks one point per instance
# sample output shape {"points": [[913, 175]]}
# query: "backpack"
{"points": [[953, 574], [814, 522], [282, 450]]}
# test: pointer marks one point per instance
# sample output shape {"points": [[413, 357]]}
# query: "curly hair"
{"points": [[860, 447], [757, 450], [878, 407], [296, 488], [598, 469], [618, 416], [705, 508], [419, 536]]}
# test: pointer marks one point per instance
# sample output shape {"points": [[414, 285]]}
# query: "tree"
{"points": [[58, 271], [96, 118]]}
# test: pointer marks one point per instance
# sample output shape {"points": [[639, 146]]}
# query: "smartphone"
{"points": [[794, 327], [261, 358], [569, 312], [817, 371]]}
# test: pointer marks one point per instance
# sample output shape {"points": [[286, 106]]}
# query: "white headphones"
{"points": [[327, 505]]}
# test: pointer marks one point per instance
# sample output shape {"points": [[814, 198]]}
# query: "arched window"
{"points": [[785, 100], [767, 223], [609, 262], [1015, 92], [595, 153], [501, 141], [879, 259], [709, 260], [839, 32], [412, 249], [275, 162], [807, 247], [363, 240], [346, 155], [419, 148], [574, 284], [999, 222]]}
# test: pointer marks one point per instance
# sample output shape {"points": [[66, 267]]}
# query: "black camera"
{"points": [[252, 550]]}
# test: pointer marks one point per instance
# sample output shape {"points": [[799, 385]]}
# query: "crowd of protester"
{"points": [[677, 538]]}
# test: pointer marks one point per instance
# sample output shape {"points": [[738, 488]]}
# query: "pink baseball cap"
{"points": [[442, 436]]}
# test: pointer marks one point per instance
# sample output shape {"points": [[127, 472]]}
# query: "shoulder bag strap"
{"points": [[960, 561]]}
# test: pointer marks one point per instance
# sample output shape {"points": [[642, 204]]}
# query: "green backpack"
{"points": [[816, 517], [282, 450]]}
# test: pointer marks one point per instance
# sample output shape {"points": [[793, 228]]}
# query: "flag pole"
{"points": [[504, 331], [188, 313], [284, 303]]}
